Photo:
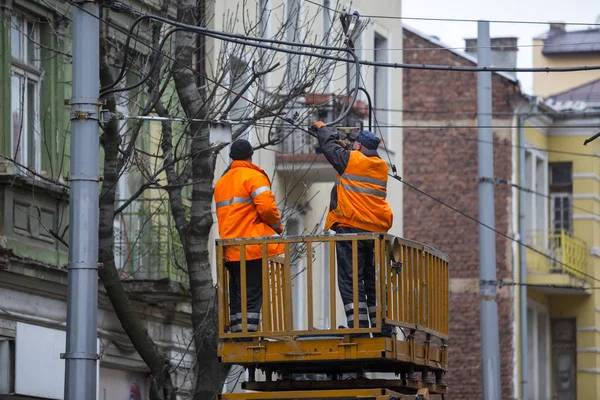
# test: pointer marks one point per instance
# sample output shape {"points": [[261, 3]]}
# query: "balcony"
{"points": [[34, 212], [148, 253], [299, 155], [569, 269]]}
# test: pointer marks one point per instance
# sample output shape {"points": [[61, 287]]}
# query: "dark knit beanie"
{"points": [[368, 139], [241, 149]]}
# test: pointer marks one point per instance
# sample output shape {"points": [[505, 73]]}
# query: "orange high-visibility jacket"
{"points": [[246, 208], [358, 199]]}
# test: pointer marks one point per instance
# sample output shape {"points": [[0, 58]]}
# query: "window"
{"points": [[561, 177], [239, 77], [7, 366], [25, 93], [564, 358], [328, 34], [536, 208], [327, 23], [538, 333], [294, 33], [381, 85], [264, 16], [561, 194], [264, 13]]}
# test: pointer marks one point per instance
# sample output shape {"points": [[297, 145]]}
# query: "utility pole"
{"points": [[490, 353], [82, 296]]}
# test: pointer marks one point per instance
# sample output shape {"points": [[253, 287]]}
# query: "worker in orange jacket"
{"points": [[358, 204], [246, 208]]}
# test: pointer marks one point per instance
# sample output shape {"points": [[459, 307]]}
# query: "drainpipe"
{"points": [[522, 262], [522, 253]]}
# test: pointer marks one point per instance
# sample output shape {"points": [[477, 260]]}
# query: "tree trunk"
{"points": [[159, 364], [209, 374]]}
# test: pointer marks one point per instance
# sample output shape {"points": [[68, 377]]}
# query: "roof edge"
{"points": [[462, 54]]}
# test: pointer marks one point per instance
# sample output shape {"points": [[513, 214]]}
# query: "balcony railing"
{"points": [[147, 245], [299, 143], [569, 252]]}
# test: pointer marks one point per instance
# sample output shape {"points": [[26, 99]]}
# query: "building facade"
{"points": [[440, 158], [35, 80], [565, 213], [559, 191], [302, 178]]}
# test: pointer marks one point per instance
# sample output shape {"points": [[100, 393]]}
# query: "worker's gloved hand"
{"points": [[316, 126]]}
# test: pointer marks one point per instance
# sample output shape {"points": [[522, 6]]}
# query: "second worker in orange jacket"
{"points": [[358, 204]]}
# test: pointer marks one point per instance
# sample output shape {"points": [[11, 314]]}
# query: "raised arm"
{"points": [[335, 150]]}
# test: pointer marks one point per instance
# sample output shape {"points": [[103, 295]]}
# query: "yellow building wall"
{"points": [[586, 212], [545, 85], [535, 137]]}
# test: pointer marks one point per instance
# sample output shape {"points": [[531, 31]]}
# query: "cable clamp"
{"points": [[84, 115], [483, 282]]}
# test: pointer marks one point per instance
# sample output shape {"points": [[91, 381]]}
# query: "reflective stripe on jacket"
{"points": [[358, 198], [246, 208]]}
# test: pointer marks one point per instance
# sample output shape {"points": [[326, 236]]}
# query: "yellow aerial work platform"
{"points": [[299, 361]]}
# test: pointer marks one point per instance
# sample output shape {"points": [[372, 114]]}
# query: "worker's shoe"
{"points": [[243, 340], [355, 335], [387, 331]]}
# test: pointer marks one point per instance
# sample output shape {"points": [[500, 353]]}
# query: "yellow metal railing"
{"points": [[411, 286], [568, 254], [417, 287]]}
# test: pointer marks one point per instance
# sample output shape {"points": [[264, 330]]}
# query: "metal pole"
{"points": [[522, 263], [490, 358], [82, 296]]}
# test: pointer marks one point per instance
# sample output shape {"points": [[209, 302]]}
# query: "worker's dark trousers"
{"points": [[366, 280], [253, 294]]}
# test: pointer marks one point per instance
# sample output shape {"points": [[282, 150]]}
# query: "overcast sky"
{"points": [[454, 33]]}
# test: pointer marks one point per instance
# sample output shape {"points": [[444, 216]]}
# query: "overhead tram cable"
{"points": [[249, 41], [498, 21]]}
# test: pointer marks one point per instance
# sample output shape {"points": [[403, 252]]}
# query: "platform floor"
{"points": [[335, 355], [405, 386], [347, 394]]}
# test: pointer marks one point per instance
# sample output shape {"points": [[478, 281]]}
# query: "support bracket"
{"points": [[80, 356]]}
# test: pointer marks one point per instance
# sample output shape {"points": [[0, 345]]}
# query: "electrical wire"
{"points": [[594, 126], [498, 180], [248, 40], [519, 242], [398, 178], [235, 38], [499, 21], [501, 283], [582, 114], [494, 142], [395, 176], [287, 120], [465, 48]]}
